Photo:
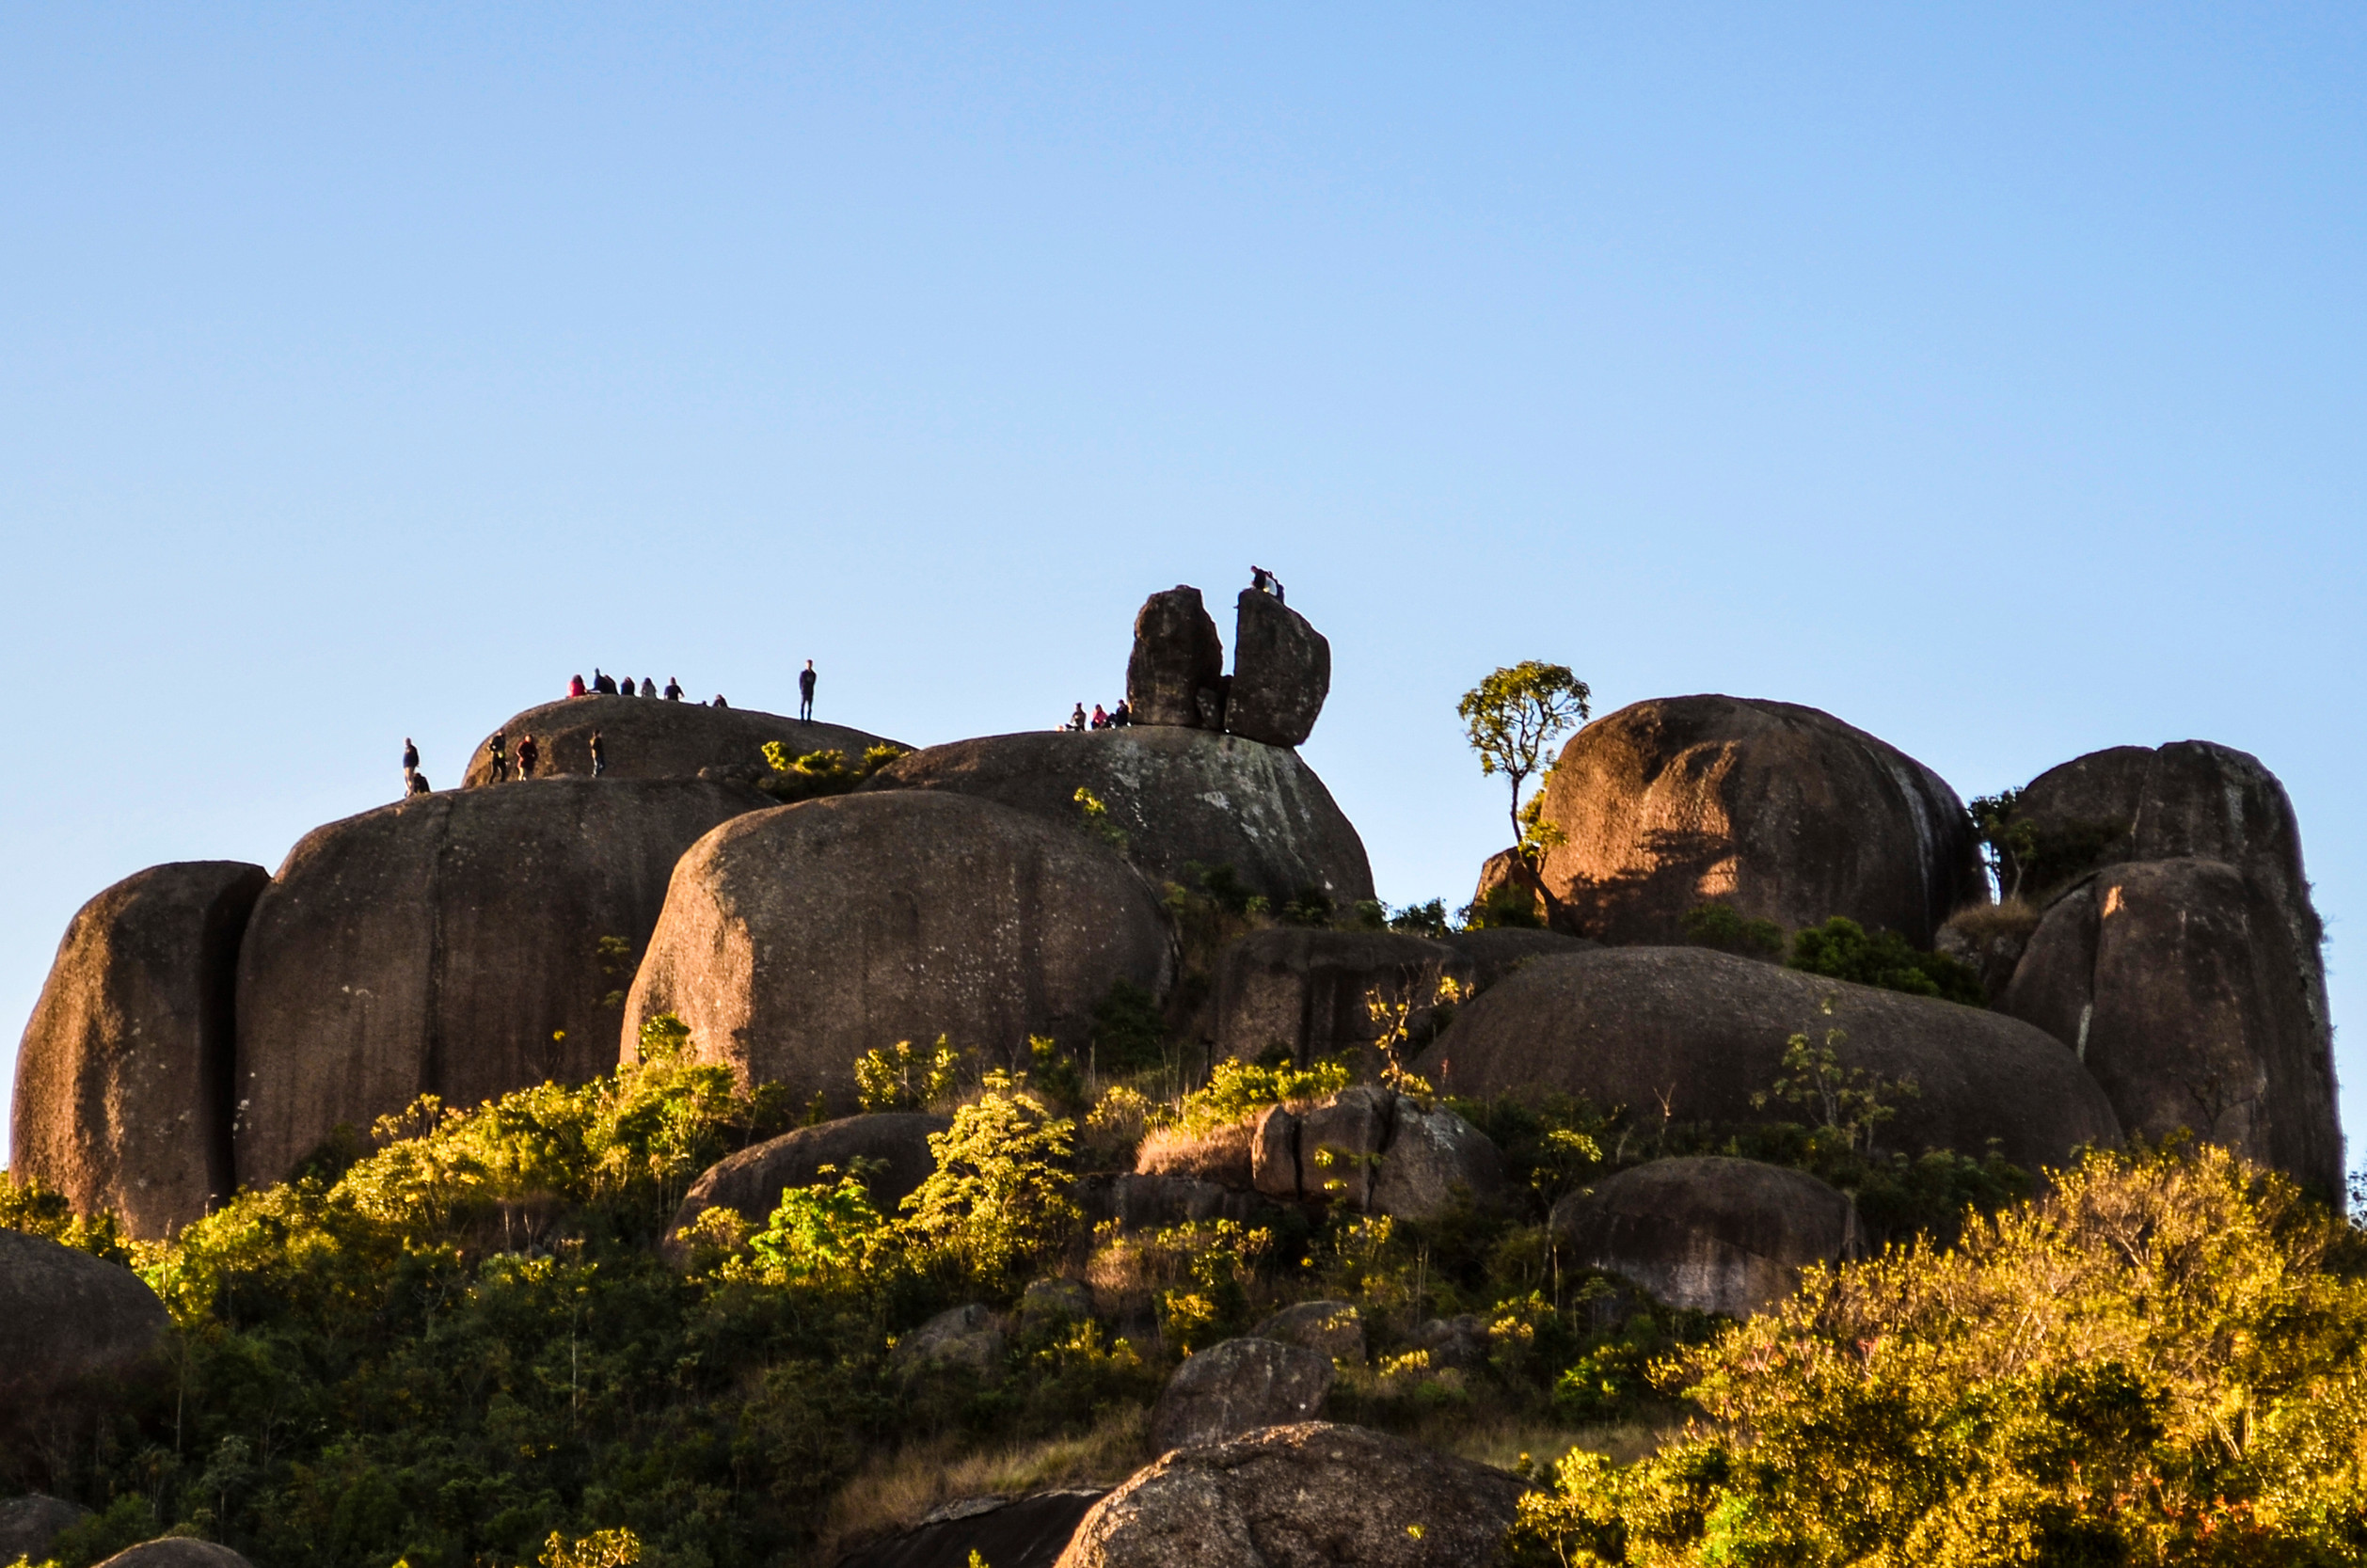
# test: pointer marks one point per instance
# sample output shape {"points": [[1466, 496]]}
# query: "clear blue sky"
{"points": [[1989, 377]]}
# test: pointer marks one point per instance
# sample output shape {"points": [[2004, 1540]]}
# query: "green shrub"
{"points": [[1842, 949], [1717, 925], [1420, 919], [903, 1079], [1129, 1031], [1235, 1088]]}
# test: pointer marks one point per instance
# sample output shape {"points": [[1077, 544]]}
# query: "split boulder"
{"points": [[644, 738], [1708, 1232], [1281, 672], [1176, 672]]}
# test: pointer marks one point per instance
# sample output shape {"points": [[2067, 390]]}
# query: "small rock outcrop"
{"points": [[1181, 798], [1782, 812], [176, 1551], [1434, 1160], [1005, 1532], [1312, 1496], [968, 1336], [1700, 1033], [451, 944], [2178, 984], [1176, 672], [29, 1524], [1332, 1329], [123, 1079], [644, 738], [894, 1144], [1708, 1232], [80, 1338], [1368, 1149], [1281, 672], [1305, 991], [1238, 1387], [797, 939]]}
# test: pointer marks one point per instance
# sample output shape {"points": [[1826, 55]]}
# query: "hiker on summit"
{"points": [[673, 689], [1101, 719], [1261, 580], [496, 756], [1121, 716], [604, 685], [1076, 720], [648, 686], [575, 686], [527, 752], [599, 755], [410, 759], [414, 783], [718, 701], [805, 693]]}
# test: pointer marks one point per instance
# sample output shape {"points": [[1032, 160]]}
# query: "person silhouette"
{"points": [[805, 692], [648, 686], [496, 756], [576, 686], [410, 759], [526, 754], [599, 755], [673, 689]]}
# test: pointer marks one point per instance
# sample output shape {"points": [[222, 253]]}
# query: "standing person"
{"points": [[575, 687], [527, 752], [805, 692], [673, 689], [496, 756], [410, 759], [599, 755]]}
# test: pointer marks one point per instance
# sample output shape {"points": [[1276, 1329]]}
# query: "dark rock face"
{"points": [[1238, 1387], [968, 1336], [1434, 1161], [2178, 984], [79, 1339], [1488, 955], [1020, 1532], [176, 1552], [1705, 1030], [1281, 672], [1138, 1202], [444, 945], [1177, 657], [1332, 1329], [2190, 799], [751, 1182], [1372, 1150], [1312, 1495], [1305, 989], [1782, 811], [29, 1524], [124, 1081], [1708, 1232], [797, 939], [1180, 796], [645, 739]]}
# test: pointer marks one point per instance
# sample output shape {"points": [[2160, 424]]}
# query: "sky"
{"points": [[1993, 377]]}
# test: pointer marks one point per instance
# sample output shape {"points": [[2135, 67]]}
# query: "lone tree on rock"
{"points": [[1511, 717]]}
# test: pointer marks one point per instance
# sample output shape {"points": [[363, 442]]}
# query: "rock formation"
{"points": [[2188, 799], [450, 945], [644, 737], [80, 1338], [1175, 674], [1238, 1387], [1372, 1150], [1281, 672], [123, 1079], [30, 1523], [1181, 797], [751, 1182], [1708, 1232], [1697, 1033], [797, 939], [1312, 1496], [177, 1551], [970, 1336], [1332, 1329], [1005, 1532], [1782, 812]]}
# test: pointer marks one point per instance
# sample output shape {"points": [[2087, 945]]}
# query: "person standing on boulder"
{"points": [[497, 757], [673, 689], [527, 752], [805, 693], [599, 755], [410, 761]]}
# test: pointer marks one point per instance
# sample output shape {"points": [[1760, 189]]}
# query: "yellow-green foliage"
{"points": [[1235, 1088], [903, 1079], [2154, 1364], [998, 1199]]}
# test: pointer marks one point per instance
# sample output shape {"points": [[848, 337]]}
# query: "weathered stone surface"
{"points": [[1708, 1232], [1990, 939], [1152, 1202], [1332, 1329], [1273, 1152], [751, 1182], [79, 1336], [176, 1552], [797, 939], [1503, 871], [1435, 1161], [968, 1336], [1016, 1532], [30, 1523], [1339, 1143], [1224, 1155], [2178, 984], [1177, 657], [1456, 1344], [1312, 1495], [450, 945], [1782, 811], [123, 1079], [1182, 796], [1281, 672], [2190, 799], [1702, 1032], [1306, 991], [1055, 1301], [1488, 955], [1238, 1387], [645, 739]]}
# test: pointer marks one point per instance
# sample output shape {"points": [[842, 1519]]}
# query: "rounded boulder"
{"points": [[648, 738], [123, 1079], [1708, 1232], [893, 1146], [1237, 1387], [1784, 813], [451, 944], [1697, 1034], [1181, 797], [80, 1338], [798, 939], [176, 1551]]}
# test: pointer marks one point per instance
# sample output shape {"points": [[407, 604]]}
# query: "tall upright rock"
{"points": [[1281, 672], [451, 944], [123, 1079], [1176, 674], [1782, 811]]}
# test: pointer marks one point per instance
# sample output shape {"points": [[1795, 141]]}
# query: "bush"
{"points": [[1716, 925], [1843, 950], [1235, 1088]]}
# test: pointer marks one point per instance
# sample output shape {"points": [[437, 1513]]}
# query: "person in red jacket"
{"points": [[575, 687]]}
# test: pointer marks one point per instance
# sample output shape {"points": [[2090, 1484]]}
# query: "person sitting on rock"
{"points": [[604, 685], [648, 686], [410, 759], [805, 692], [1101, 719], [599, 755], [1121, 716], [673, 689], [1261, 580], [418, 784], [497, 757], [575, 686], [1076, 720], [527, 752], [718, 701]]}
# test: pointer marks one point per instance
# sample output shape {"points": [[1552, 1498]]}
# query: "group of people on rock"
{"points": [[496, 756], [609, 686], [1112, 719], [1266, 582]]}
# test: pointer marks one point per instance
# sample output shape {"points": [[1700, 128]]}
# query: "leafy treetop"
{"points": [[1514, 714]]}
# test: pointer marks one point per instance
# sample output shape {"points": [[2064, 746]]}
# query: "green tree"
{"points": [[1514, 715], [998, 1199]]}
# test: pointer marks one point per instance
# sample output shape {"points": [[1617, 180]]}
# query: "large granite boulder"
{"points": [[1175, 676], [2188, 799], [1004, 1532], [30, 1523], [1312, 1496], [1182, 796], [796, 940], [2182, 986], [1238, 1387], [1708, 1232], [893, 1145], [1281, 672], [80, 1338], [451, 944], [1308, 991], [1782, 812], [1370, 1148], [176, 1551], [1695, 1034], [123, 1079], [647, 737]]}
